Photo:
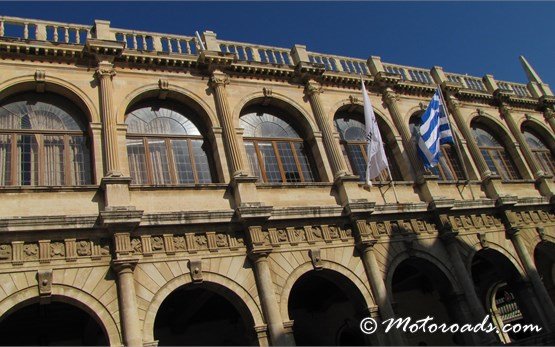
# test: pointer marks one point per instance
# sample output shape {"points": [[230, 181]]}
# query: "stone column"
{"points": [[477, 311], [506, 112], [267, 296], [104, 73], [313, 90], [218, 82], [129, 313], [379, 290], [454, 106], [532, 272], [390, 98]]}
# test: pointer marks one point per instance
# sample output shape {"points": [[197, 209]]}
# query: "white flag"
{"points": [[377, 161]]}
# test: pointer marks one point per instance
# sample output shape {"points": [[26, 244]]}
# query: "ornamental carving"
{"points": [[313, 88], [83, 248], [157, 243], [317, 232], [57, 250], [105, 72], [179, 243], [30, 251], [201, 241], [5, 252], [136, 245], [221, 240], [219, 80], [281, 235], [334, 232]]}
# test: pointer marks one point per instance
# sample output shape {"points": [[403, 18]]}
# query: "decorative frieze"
{"points": [[401, 227], [472, 222]]}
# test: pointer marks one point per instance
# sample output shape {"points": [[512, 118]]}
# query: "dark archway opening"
{"points": [[54, 324], [544, 257], [204, 315], [420, 289], [326, 309], [506, 298]]}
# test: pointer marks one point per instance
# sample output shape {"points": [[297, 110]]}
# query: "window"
{"points": [[449, 167], [43, 142], [165, 147], [540, 151], [275, 151], [497, 159], [352, 134]]}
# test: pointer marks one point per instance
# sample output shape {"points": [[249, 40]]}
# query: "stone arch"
{"points": [[494, 125], [69, 295], [474, 248], [306, 267], [181, 280], [433, 259], [537, 128], [178, 94], [300, 116], [54, 85]]}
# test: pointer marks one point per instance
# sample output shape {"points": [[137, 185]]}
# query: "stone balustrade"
{"points": [[23, 29]]}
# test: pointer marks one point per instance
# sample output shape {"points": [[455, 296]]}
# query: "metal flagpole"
{"points": [[392, 182], [457, 148]]}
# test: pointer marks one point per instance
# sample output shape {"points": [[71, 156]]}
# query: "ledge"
{"points": [[205, 186], [46, 189], [33, 223], [306, 212], [294, 185], [187, 217], [401, 207]]}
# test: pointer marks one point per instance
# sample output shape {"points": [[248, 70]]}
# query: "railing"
{"points": [[474, 83], [257, 53], [410, 73], [339, 64], [27, 29], [147, 41], [519, 89]]}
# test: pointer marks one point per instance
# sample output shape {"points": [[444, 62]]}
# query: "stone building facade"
{"points": [[155, 193]]}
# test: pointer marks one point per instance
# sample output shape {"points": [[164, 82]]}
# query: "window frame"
{"points": [[543, 156], [509, 170]]}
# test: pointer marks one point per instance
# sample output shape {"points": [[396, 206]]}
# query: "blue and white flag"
{"points": [[377, 161], [434, 131]]}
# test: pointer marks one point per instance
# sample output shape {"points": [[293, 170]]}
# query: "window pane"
{"points": [[137, 161], [5, 159], [54, 173], [201, 161], [159, 161], [358, 163], [253, 160], [288, 162], [489, 161], [182, 160], [510, 168], [270, 162], [27, 160], [302, 156], [79, 160]]}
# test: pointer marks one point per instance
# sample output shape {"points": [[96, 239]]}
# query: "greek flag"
{"points": [[434, 131], [377, 161]]}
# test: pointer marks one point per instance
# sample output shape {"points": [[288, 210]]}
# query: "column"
{"points": [[270, 306], [506, 112], [390, 98], [129, 314], [477, 311], [532, 272], [104, 73], [378, 290], [454, 105], [218, 82], [313, 90]]}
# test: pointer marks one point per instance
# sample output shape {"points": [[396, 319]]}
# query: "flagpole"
{"points": [[392, 183], [457, 148]]}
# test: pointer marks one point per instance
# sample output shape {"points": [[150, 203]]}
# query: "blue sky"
{"points": [[465, 37]]}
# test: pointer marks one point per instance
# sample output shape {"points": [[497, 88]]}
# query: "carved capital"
{"points": [[512, 231], [219, 80], [505, 109], [105, 71], [454, 102], [124, 265], [390, 96], [313, 88], [548, 113]]}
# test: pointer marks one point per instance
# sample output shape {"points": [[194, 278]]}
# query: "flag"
{"points": [[434, 131], [377, 161]]}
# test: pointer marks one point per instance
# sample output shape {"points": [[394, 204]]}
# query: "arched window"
{"points": [[449, 167], [275, 150], [164, 146], [498, 160], [352, 134], [540, 151], [43, 142]]}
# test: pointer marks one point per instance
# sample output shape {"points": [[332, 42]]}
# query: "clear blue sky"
{"points": [[463, 37]]}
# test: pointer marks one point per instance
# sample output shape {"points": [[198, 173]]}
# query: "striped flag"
{"points": [[377, 161], [434, 131]]}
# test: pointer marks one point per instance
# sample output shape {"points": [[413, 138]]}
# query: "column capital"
{"points": [[124, 265], [505, 107], [219, 79], [390, 95], [548, 113], [313, 88], [512, 231], [105, 69]]}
